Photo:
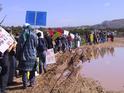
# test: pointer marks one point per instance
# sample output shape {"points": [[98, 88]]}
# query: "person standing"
{"points": [[4, 74], [42, 49], [69, 38], [12, 59], [26, 54], [91, 38], [64, 43], [48, 40], [5, 67], [77, 40], [58, 44]]}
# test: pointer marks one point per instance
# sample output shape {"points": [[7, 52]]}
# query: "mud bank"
{"points": [[65, 77]]}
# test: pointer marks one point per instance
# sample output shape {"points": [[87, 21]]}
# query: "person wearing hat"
{"points": [[26, 54]]}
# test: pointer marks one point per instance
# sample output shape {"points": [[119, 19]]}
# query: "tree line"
{"points": [[119, 32]]}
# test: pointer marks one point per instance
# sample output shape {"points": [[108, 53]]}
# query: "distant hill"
{"points": [[114, 24]]}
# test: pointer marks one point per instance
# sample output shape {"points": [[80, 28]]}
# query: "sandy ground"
{"points": [[64, 76]]}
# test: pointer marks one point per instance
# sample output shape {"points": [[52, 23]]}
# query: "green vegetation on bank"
{"points": [[119, 32]]}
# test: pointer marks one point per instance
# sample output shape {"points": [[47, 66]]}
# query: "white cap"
{"points": [[26, 24]]}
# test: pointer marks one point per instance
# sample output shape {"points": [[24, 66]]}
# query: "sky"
{"points": [[63, 12]]}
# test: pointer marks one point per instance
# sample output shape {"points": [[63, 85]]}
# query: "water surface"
{"points": [[108, 69]]}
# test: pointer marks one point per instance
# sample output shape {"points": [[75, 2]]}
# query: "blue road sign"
{"points": [[41, 18], [30, 17], [36, 18]]}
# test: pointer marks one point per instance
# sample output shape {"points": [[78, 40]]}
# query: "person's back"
{"points": [[49, 41], [42, 48], [58, 44], [12, 58], [69, 38], [29, 51], [4, 64], [42, 45], [64, 43], [26, 46], [57, 41], [30, 48]]}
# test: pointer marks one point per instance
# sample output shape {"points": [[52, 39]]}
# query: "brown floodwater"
{"points": [[107, 69]]}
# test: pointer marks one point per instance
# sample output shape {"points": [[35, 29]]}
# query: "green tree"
{"points": [[16, 30]]}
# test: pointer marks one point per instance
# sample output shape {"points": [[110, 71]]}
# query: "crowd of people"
{"points": [[30, 45]]}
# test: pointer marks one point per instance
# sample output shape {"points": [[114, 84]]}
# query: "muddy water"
{"points": [[107, 69]]}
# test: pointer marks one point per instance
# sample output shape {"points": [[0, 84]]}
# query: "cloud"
{"points": [[107, 4]]}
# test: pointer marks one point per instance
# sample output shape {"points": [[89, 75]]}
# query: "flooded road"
{"points": [[108, 69]]}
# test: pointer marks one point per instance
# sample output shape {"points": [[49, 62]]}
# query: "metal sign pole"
{"points": [[35, 20], [2, 20]]}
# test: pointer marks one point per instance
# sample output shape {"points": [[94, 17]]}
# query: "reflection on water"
{"points": [[108, 69], [95, 53]]}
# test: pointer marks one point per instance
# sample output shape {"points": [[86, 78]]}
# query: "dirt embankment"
{"points": [[64, 76]]}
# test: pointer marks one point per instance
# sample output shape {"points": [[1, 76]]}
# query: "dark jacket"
{"points": [[3, 67], [49, 42], [58, 42], [42, 45], [4, 64]]}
